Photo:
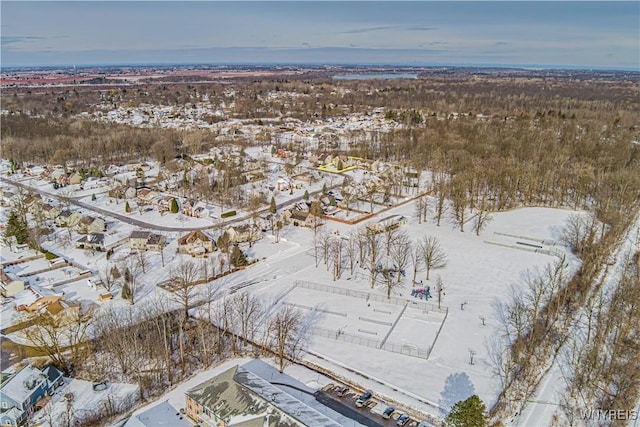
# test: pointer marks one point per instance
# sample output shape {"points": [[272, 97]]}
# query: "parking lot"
{"points": [[330, 395]]}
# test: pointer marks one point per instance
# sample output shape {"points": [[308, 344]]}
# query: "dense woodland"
{"points": [[539, 142]]}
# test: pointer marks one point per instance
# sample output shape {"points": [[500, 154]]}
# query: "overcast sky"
{"points": [[573, 34]]}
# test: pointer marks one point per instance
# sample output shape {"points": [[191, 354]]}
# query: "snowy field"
{"points": [[478, 274]]}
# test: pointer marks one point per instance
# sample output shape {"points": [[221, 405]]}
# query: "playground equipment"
{"points": [[422, 293]]}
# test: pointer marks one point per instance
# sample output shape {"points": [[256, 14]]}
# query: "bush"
{"points": [[228, 214], [49, 256]]}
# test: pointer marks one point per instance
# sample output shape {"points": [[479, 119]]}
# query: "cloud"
{"points": [[8, 40], [367, 30], [420, 28]]}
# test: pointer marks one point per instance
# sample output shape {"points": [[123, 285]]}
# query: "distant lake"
{"points": [[375, 76]]}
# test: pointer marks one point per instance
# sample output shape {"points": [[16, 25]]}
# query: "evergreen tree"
{"points": [[305, 196], [324, 188], [17, 227], [468, 413], [173, 206], [272, 205], [93, 197], [127, 208], [126, 292], [223, 242], [237, 257]]}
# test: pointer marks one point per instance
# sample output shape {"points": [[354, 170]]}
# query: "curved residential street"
{"points": [[133, 221]]}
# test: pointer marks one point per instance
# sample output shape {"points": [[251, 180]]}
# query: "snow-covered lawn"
{"points": [[478, 274], [79, 399]]}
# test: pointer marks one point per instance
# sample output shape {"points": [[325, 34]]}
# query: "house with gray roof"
{"points": [[21, 393], [238, 397]]}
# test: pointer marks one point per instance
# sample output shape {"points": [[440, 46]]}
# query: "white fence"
{"points": [[369, 296], [406, 349]]}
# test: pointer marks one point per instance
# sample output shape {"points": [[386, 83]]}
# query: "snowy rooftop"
{"points": [[162, 415], [238, 393], [22, 383], [32, 294], [282, 400]]}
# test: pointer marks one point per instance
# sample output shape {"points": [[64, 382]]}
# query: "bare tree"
{"points": [[374, 252], [401, 254], [460, 201], [472, 353], [106, 277], [184, 279], [433, 255], [285, 327], [142, 260], [249, 310], [441, 200], [440, 290], [417, 260], [580, 233], [61, 337], [336, 245], [390, 236], [351, 247], [482, 218], [278, 229], [422, 207]]}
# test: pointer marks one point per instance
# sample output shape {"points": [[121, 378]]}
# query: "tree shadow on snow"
{"points": [[457, 387]]}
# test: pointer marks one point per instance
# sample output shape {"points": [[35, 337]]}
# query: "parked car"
{"points": [[387, 412], [424, 424], [342, 391], [363, 398], [402, 419]]}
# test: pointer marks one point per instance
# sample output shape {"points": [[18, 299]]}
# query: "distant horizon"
{"points": [[548, 34], [530, 67]]}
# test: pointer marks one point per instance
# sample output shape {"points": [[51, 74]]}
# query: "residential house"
{"points": [[113, 170], [282, 184], [33, 170], [196, 243], [58, 176], [74, 178], [89, 224], [62, 219], [244, 233], [122, 192], [34, 298], [188, 206], [301, 218], [10, 286], [7, 197], [388, 223], [238, 397], [25, 391], [146, 240], [92, 241], [163, 204], [50, 211], [201, 210], [146, 196]]}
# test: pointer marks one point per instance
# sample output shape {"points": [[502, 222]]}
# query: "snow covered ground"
{"points": [[480, 272], [78, 398], [545, 405]]}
